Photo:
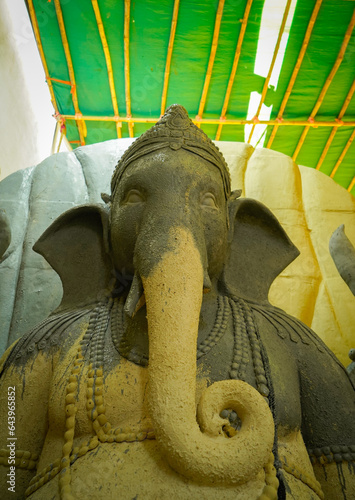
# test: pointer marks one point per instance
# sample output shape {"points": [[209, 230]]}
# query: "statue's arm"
{"points": [[24, 392], [328, 410]]}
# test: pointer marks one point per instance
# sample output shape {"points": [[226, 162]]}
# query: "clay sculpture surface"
{"points": [[165, 372]]}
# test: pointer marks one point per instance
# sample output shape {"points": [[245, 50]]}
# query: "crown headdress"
{"points": [[174, 130]]}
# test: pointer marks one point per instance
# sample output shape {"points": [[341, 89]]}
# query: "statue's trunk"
{"points": [[173, 291]]}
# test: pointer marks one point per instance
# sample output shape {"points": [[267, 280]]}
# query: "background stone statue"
{"points": [[343, 254], [165, 294], [5, 233]]}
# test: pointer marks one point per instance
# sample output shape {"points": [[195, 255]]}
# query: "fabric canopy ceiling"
{"points": [[279, 73]]}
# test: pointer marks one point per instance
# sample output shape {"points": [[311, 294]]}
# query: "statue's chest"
{"points": [[104, 374], [113, 403], [247, 347]]}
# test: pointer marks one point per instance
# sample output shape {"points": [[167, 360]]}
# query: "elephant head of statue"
{"points": [[171, 237]]}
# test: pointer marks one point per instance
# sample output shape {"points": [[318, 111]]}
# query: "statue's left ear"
{"points": [[76, 247], [259, 250]]}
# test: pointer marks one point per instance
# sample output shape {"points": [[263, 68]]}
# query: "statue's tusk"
{"points": [[136, 298], [207, 285]]}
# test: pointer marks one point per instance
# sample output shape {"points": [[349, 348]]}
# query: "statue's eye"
{"points": [[134, 196], [208, 200]]}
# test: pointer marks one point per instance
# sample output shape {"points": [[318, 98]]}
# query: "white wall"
{"points": [[26, 122]]}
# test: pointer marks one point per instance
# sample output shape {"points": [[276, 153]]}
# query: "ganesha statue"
{"points": [[165, 372]]}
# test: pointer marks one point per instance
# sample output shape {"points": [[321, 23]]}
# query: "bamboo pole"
{"points": [[80, 123], [67, 143], [108, 63], [41, 53], [60, 141], [296, 69], [326, 147], [343, 153], [327, 83], [127, 8], [55, 137], [168, 56], [65, 82], [300, 143], [234, 67], [333, 132], [214, 121], [351, 185], [217, 27], [273, 60]]}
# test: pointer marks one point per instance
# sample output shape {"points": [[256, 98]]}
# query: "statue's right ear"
{"points": [[76, 247], [259, 250]]}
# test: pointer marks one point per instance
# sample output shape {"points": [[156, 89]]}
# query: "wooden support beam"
{"points": [[55, 137], [333, 132], [106, 50], [296, 69], [41, 53], [327, 83], [168, 56], [217, 27], [212, 121], [234, 66], [351, 185], [343, 153], [127, 8], [326, 147], [273, 60], [80, 123]]}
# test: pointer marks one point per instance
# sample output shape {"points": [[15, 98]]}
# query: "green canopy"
{"points": [[113, 66]]}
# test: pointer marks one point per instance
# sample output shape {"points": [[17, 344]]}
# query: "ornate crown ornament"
{"points": [[174, 130]]}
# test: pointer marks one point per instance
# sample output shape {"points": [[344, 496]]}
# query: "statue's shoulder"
{"points": [[311, 353], [51, 335], [289, 328]]}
